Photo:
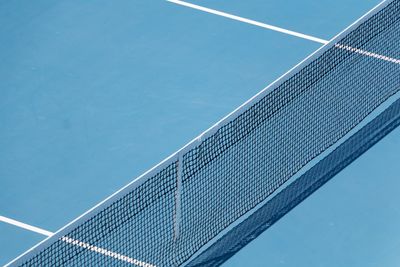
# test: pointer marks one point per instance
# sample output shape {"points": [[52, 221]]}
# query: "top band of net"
{"points": [[185, 211]]}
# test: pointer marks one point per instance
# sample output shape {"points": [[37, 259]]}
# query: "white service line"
{"points": [[106, 252], [249, 21], [366, 53], [77, 243], [278, 29], [25, 226]]}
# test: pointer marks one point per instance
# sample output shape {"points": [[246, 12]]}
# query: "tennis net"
{"points": [[205, 202]]}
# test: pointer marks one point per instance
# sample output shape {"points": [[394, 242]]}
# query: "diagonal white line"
{"points": [[249, 21], [106, 252], [25, 226], [77, 243], [367, 53], [285, 31]]}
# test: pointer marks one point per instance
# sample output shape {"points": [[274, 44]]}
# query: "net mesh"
{"points": [[300, 189], [241, 164]]}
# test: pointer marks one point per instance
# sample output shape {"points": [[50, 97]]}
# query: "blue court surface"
{"points": [[94, 93]]}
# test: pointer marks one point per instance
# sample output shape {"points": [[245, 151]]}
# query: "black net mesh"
{"points": [[300, 189], [243, 162]]}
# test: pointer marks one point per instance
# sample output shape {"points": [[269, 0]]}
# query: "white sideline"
{"points": [[367, 53], [77, 243], [106, 252], [285, 31], [249, 21], [25, 226]]}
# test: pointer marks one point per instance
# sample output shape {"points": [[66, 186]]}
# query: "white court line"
{"points": [[249, 21], [77, 243], [25, 226], [366, 53], [106, 252], [285, 31]]}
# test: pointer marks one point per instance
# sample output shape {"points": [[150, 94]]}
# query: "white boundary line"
{"points": [[195, 142], [249, 21], [282, 30], [25, 226], [106, 252], [366, 53], [76, 242]]}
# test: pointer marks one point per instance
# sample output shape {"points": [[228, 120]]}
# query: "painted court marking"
{"points": [[72, 241], [106, 252], [366, 53], [249, 21], [25, 226], [285, 31]]}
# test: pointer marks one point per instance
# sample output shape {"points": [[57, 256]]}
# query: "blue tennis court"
{"points": [[95, 93]]}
